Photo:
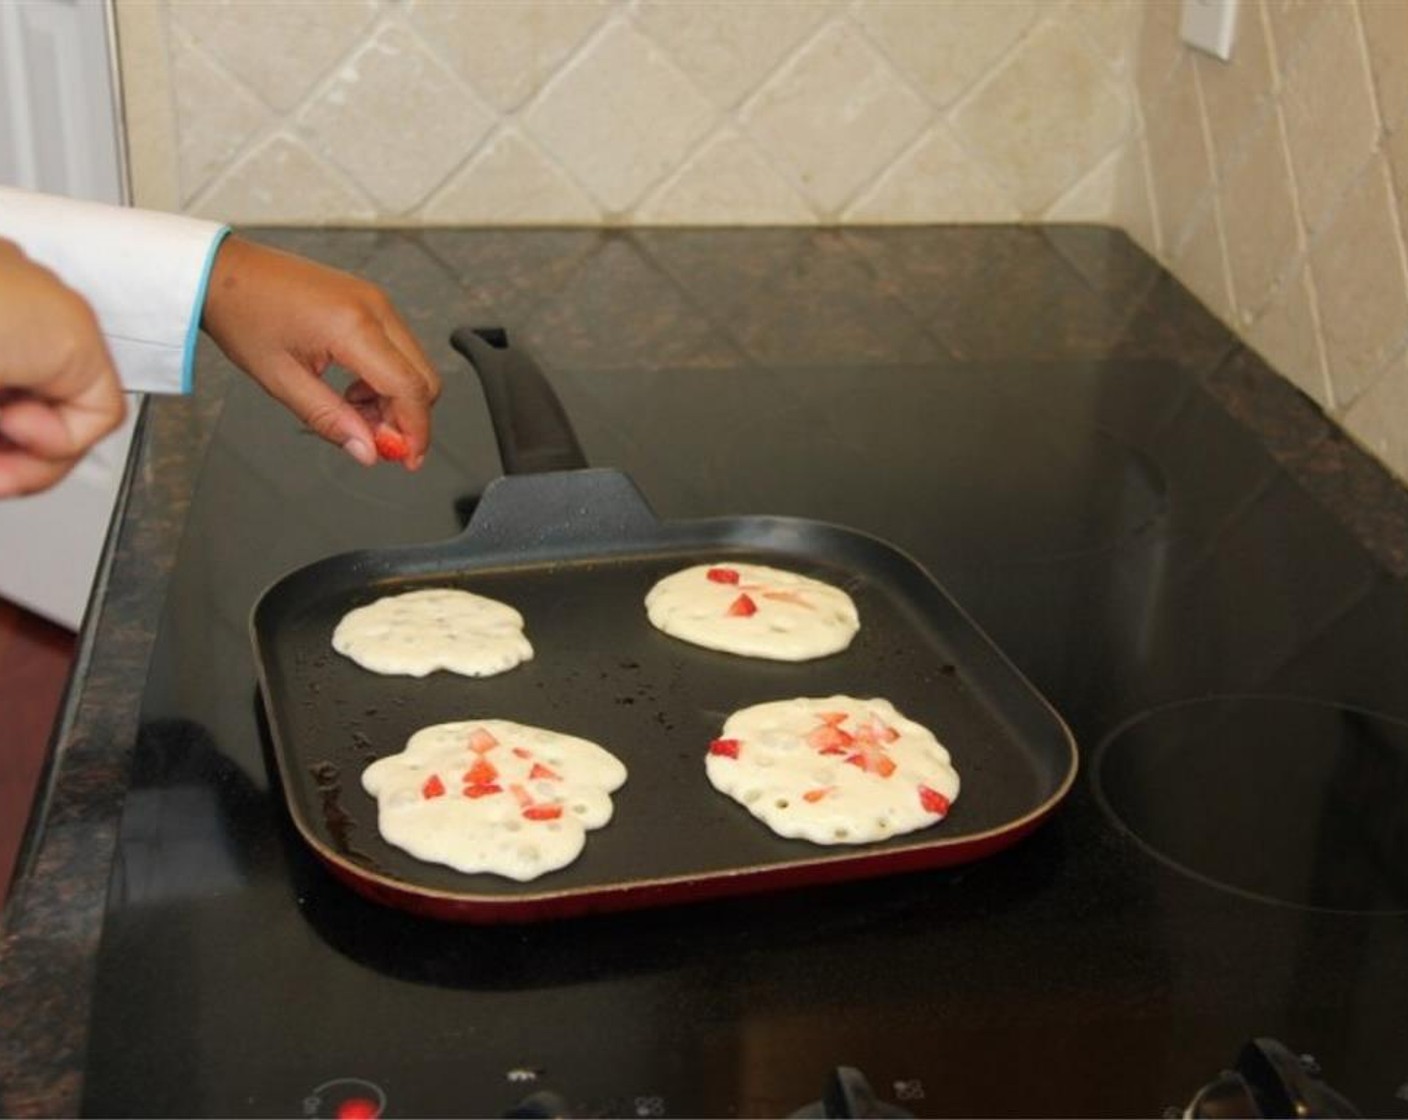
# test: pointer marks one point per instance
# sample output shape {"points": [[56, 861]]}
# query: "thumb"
{"points": [[315, 403]]}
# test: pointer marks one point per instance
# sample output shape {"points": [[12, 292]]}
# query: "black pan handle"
{"points": [[530, 424]]}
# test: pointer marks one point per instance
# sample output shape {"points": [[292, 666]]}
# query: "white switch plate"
{"points": [[1209, 25]]}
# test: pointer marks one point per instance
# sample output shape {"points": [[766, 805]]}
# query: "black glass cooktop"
{"points": [[1232, 863]]}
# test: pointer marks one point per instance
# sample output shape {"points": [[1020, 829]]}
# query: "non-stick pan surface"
{"points": [[575, 551]]}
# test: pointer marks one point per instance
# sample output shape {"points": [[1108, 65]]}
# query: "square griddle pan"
{"points": [[575, 550]]}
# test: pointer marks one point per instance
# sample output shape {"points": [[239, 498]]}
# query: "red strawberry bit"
{"points": [[815, 795], [743, 607], [722, 575], [475, 792], [481, 741], [832, 719], [726, 747], [873, 733], [391, 444], [830, 739], [481, 773], [934, 802], [873, 760], [536, 810], [433, 787], [522, 752], [540, 771]]}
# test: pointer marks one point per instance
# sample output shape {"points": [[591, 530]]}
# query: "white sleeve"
{"points": [[143, 272]]}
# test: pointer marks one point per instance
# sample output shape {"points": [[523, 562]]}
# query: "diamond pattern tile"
{"points": [[282, 181], [280, 51], [215, 115], [727, 181], [836, 115], [728, 47], [1039, 140], [646, 117], [511, 182], [944, 46], [592, 112], [358, 120], [506, 51]]}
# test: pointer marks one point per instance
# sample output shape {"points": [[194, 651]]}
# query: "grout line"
{"points": [[1401, 234], [1232, 316]]}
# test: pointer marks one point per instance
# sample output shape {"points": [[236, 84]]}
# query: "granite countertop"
{"points": [[979, 294]]}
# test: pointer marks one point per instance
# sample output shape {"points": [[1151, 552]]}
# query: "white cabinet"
{"points": [[59, 132]]}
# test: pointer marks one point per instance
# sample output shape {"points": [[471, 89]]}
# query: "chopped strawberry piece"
{"points": [[533, 810], [831, 719], [830, 740], [873, 761], [481, 773], [483, 789], [742, 607], [726, 747], [875, 734], [522, 752], [815, 795], [391, 444], [541, 771], [722, 575], [480, 741], [433, 787], [933, 801]]}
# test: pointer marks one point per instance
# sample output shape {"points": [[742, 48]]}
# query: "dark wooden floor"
{"points": [[35, 657]]}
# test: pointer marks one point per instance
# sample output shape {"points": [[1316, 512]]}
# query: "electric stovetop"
{"points": [[1232, 864]]}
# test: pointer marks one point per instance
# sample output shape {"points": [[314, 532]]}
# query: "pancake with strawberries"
{"points": [[494, 796], [754, 611], [833, 770]]}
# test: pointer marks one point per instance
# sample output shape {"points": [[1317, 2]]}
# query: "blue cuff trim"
{"points": [[188, 355]]}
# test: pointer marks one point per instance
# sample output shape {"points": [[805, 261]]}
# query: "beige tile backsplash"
{"points": [[1299, 149], [1274, 186]]}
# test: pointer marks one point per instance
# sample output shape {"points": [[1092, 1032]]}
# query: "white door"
{"points": [[60, 132]]}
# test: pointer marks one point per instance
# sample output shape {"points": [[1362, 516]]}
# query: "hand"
{"points": [[284, 320], [59, 392]]}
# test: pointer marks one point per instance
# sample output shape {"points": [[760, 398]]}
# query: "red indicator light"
{"points": [[358, 1108]]}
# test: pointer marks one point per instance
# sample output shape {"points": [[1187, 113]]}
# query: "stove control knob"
{"points": [[542, 1105], [1269, 1081], [847, 1094]]}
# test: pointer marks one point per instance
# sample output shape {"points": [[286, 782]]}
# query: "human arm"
{"points": [[153, 279], [285, 319]]}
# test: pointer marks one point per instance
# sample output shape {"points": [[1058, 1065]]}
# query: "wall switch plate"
{"points": [[1209, 25]]}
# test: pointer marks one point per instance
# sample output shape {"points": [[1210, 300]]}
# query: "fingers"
{"points": [[63, 430], [40, 444], [21, 473], [401, 386], [285, 319], [59, 392], [315, 402]]}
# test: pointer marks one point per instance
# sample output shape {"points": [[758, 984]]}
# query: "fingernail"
{"points": [[360, 450]]}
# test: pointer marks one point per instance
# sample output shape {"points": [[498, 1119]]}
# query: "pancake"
{"points": [[418, 632], [833, 770], [494, 796], [753, 611]]}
